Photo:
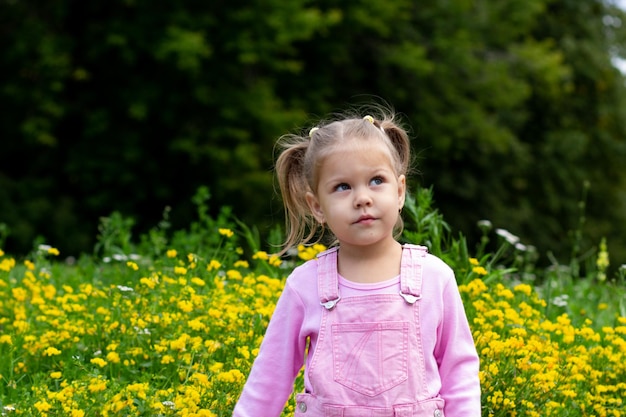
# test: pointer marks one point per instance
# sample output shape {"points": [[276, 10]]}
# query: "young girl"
{"points": [[379, 326]]}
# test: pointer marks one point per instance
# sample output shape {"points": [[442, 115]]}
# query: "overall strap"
{"points": [[327, 278], [411, 272]]}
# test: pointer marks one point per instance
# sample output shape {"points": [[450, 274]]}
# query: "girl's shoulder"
{"points": [[437, 264], [307, 267], [303, 274], [429, 260]]}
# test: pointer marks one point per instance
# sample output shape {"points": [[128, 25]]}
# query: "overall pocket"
{"points": [[370, 358]]}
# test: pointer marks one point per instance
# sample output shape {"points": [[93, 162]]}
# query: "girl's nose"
{"points": [[362, 199]]}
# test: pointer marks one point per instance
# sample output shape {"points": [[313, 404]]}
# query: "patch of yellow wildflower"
{"points": [[531, 366], [148, 344], [177, 337], [309, 252]]}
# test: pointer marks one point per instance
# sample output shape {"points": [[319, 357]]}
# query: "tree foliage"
{"points": [[124, 106]]}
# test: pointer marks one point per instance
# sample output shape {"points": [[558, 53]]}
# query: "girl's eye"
{"points": [[377, 180], [342, 187]]}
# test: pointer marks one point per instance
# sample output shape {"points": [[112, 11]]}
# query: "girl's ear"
{"points": [[401, 191], [314, 205]]}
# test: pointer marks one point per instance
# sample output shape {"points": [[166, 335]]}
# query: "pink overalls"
{"points": [[369, 361]]}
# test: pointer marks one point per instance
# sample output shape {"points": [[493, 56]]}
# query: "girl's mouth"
{"points": [[365, 219]]}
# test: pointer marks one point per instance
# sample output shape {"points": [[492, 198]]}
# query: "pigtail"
{"points": [[290, 172], [400, 141]]}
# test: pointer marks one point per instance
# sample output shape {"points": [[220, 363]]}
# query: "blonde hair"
{"points": [[301, 156]]}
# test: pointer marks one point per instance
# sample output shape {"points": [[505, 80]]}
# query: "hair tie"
{"points": [[313, 129], [372, 121]]}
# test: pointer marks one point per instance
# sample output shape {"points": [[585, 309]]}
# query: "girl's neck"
{"points": [[369, 264]]}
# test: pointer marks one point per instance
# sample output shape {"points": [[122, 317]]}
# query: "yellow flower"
{"points": [[479, 270], [216, 367], [196, 324], [171, 253], [213, 265], [97, 384], [139, 389], [275, 260], [244, 351], [233, 274], [150, 283], [198, 281], [53, 251], [7, 264], [99, 361], [201, 379], [185, 306], [42, 406], [309, 252], [241, 264], [234, 375], [51, 351], [226, 232], [19, 294], [569, 393], [132, 265], [262, 255], [523, 288], [180, 343], [55, 375], [474, 261], [113, 357], [167, 359], [493, 369]]}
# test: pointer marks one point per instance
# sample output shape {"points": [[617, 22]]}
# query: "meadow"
{"points": [[168, 324]]}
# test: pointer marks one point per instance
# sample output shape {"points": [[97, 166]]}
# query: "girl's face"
{"points": [[359, 195]]}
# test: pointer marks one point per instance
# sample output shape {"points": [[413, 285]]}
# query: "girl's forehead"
{"points": [[354, 152], [357, 146]]}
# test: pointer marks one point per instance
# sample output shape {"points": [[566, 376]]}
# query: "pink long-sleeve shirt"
{"points": [[451, 360]]}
